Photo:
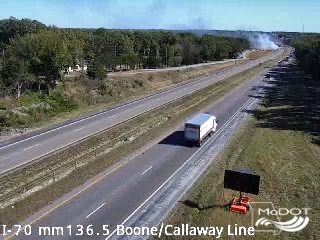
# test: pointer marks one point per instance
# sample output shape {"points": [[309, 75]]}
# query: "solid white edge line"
{"points": [[159, 188], [146, 170], [31, 147], [96, 209]]}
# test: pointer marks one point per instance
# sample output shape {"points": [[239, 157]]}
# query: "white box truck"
{"points": [[199, 127]]}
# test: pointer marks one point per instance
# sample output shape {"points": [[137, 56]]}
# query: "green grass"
{"points": [[288, 163], [280, 142]]}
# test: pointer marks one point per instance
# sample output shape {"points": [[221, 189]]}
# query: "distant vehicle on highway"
{"points": [[199, 127]]}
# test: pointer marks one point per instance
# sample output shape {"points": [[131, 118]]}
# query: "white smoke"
{"points": [[262, 41]]}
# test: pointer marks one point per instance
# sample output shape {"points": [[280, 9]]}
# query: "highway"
{"points": [[22, 152], [116, 195]]}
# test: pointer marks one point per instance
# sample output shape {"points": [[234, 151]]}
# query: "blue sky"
{"points": [[170, 14]]}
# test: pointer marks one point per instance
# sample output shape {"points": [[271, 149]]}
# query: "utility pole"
{"points": [[115, 57], [166, 57]]}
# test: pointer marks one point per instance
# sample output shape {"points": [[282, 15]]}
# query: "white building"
{"points": [[76, 68]]}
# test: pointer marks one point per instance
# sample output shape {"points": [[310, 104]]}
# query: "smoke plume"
{"points": [[262, 41]]}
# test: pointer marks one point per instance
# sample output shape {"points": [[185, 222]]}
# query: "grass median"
{"points": [[102, 151], [281, 143]]}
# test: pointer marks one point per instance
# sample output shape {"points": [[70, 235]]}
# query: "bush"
{"points": [[60, 102], [102, 89], [36, 107], [137, 83], [11, 119], [28, 98], [2, 119], [3, 106]]}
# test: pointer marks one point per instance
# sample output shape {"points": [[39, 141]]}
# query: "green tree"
{"points": [[96, 71], [15, 73], [13, 27]]}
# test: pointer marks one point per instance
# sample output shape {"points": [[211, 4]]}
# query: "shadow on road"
{"points": [[293, 102], [175, 139]]}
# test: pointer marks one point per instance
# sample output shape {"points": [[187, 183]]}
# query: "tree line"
{"points": [[307, 51], [33, 55]]}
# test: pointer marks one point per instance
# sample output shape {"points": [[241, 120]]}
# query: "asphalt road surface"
{"points": [[23, 152], [115, 195]]}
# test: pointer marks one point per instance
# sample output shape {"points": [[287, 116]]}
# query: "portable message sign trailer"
{"points": [[244, 181]]}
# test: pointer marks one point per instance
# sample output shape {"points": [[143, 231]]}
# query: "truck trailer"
{"points": [[199, 127]]}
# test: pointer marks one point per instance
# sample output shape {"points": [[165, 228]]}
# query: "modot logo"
{"points": [[266, 218]]}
